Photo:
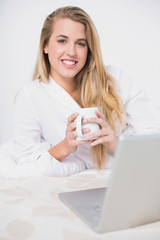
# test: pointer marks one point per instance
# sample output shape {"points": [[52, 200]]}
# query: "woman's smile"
{"points": [[69, 63]]}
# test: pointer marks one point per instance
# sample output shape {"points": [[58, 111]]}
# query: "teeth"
{"points": [[70, 63]]}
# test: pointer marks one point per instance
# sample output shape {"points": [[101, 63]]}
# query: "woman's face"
{"points": [[67, 49]]}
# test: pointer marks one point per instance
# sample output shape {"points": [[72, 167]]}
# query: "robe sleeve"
{"points": [[31, 149]]}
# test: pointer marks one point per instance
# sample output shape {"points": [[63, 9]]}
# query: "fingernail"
{"points": [[87, 137], [92, 144]]}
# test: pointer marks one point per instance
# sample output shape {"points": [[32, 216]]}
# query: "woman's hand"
{"points": [[69, 144], [70, 139], [105, 135]]}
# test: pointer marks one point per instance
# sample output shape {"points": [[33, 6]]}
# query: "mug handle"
{"points": [[79, 125]]}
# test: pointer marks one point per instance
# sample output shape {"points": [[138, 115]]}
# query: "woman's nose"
{"points": [[71, 49]]}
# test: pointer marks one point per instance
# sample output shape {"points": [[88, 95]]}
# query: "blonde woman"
{"points": [[70, 75]]}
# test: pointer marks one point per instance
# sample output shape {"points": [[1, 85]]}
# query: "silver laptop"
{"points": [[132, 197]]}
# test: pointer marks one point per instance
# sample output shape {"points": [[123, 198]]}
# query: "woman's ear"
{"points": [[46, 50]]}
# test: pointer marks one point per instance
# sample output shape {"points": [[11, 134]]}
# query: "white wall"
{"points": [[129, 31]]}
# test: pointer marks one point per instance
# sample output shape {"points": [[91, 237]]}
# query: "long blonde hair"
{"points": [[95, 86]]}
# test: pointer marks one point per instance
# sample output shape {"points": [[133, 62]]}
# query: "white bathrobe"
{"points": [[41, 112]]}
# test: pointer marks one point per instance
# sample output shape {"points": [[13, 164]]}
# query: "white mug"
{"points": [[83, 114]]}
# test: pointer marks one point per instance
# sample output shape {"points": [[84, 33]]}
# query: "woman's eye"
{"points": [[61, 40], [81, 44]]}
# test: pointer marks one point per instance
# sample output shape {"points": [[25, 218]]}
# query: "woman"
{"points": [[70, 75]]}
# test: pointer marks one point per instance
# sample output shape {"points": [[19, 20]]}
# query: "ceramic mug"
{"points": [[83, 114]]}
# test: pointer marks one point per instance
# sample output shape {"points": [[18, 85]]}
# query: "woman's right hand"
{"points": [[70, 143], [70, 139]]}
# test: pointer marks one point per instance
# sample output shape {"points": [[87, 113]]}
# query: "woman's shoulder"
{"points": [[29, 89], [125, 84], [32, 87], [120, 75]]}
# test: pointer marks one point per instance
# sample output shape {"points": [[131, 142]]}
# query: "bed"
{"points": [[30, 209]]}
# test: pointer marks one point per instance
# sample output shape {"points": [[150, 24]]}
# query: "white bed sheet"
{"points": [[30, 209]]}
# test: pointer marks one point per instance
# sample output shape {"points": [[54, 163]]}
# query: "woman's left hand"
{"points": [[105, 135]]}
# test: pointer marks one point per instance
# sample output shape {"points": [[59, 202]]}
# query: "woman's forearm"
{"points": [[60, 151]]}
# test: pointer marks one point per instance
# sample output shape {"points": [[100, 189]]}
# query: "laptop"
{"points": [[132, 195]]}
